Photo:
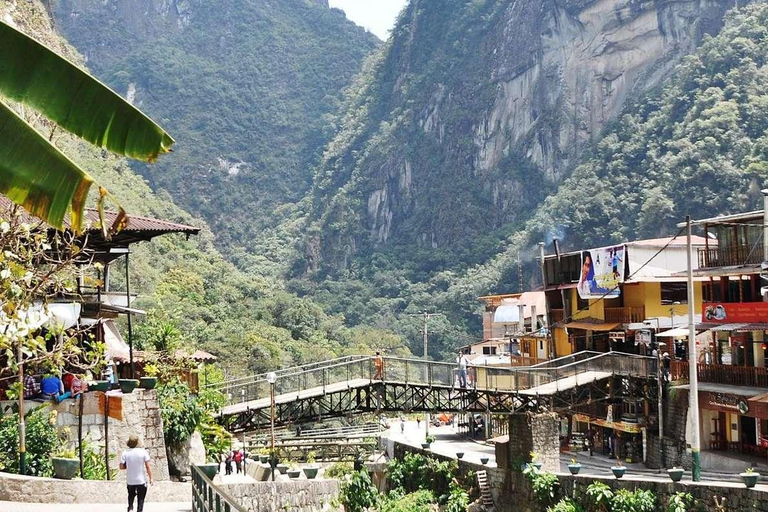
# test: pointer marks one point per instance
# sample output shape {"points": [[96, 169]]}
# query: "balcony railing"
{"points": [[722, 374], [731, 256], [624, 315], [526, 361]]}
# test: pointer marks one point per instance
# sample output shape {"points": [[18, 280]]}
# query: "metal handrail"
{"points": [[207, 497], [431, 373]]}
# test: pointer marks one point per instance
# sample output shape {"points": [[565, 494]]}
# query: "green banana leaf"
{"points": [[37, 176], [34, 75]]}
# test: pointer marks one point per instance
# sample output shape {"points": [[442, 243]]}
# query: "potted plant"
{"points": [[618, 469], [484, 460], [209, 469], [282, 467], [749, 477], [676, 474], [65, 463], [428, 441], [311, 471], [293, 471], [459, 455], [149, 381], [99, 385], [128, 385], [535, 460], [574, 467]]}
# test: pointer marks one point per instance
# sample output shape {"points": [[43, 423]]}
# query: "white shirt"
{"points": [[462, 363], [134, 460]]}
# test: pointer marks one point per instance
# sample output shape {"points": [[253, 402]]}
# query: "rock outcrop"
{"points": [[475, 113]]}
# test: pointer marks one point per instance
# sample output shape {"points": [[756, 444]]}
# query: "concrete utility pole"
{"points": [[693, 360], [550, 341], [765, 237]]}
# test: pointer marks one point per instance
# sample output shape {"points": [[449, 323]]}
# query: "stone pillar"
{"points": [[537, 433]]}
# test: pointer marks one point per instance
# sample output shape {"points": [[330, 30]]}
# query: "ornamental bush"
{"points": [[42, 441]]}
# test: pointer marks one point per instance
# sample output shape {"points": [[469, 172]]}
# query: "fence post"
{"points": [[406, 371]]}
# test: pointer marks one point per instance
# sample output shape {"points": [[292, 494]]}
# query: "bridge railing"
{"points": [[207, 497], [328, 375]]}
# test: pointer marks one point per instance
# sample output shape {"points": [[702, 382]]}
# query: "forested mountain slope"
{"points": [[697, 144], [246, 86], [473, 114], [194, 296]]}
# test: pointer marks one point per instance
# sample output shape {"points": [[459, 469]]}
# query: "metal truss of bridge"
{"points": [[347, 386]]}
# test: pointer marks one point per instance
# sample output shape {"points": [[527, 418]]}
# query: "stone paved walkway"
{"points": [[8, 506]]}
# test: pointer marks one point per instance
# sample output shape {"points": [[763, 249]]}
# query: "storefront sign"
{"points": [[736, 312], [602, 270], [632, 428], [727, 402], [643, 337]]}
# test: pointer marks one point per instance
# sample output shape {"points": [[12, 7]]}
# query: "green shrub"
{"points": [[543, 484], [415, 472], [565, 505], [42, 441], [600, 496], [681, 502], [182, 412], [638, 501], [458, 499], [94, 463], [339, 470], [419, 501], [358, 493]]}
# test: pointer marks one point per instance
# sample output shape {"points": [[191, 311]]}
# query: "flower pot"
{"points": [[459, 455], [282, 468], [294, 473], [484, 460], [99, 385], [311, 473], [65, 468], [574, 468], [676, 474], [749, 479], [128, 385], [425, 446], [209, 469], [264, 459], [148, 382], [618, 471], [537, 465]]}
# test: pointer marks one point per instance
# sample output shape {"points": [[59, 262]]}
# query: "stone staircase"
{"points": [[485, 491]]}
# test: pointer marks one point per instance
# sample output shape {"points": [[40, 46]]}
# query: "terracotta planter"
{"points": [[676, 474], [128, 385], [574, 468], [148, 382], [618, 471], [749, 479], [65, 468], [311, 473], [209, 469]]}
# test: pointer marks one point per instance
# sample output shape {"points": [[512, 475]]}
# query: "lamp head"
{"points": [[271, 377]]}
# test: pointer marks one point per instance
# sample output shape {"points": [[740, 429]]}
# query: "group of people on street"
{"points": [[236, 457]]}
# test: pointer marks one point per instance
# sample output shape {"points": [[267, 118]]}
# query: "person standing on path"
{"points": [[378, 362], [462, 370], [135, 462]]}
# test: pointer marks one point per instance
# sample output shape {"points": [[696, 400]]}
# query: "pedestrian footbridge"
{"points": [[348, 385]]}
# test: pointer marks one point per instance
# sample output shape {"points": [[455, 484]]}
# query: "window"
{"points": [[489, 351], [674, 292]]}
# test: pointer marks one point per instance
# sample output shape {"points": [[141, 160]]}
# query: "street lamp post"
{"points": [[660, 385], [692, 364], [272, 378]]}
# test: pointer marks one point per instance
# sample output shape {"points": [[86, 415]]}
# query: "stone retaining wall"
{"points": [[287, 496], [30, 489]]}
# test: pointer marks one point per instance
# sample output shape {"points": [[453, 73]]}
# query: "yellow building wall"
{"points": [[595, 307], [648, 295], [562, 345]]}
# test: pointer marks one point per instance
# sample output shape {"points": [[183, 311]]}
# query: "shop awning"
{"points": [[587, 326], [759, 398], [728, 327], [677, 332]]}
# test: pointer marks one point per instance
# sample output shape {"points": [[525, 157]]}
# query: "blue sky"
{"points": [[378, 16]]}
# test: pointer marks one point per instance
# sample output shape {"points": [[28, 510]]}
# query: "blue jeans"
{"points": [[463, 378]]}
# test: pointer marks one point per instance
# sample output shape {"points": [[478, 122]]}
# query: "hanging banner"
{"points": [[737, 312], [602, 271]]}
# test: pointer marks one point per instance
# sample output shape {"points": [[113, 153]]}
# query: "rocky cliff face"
{"points": [[470, 119]]}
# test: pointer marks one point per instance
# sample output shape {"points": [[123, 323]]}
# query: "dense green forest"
{"points": [[193, 295], [246, 87], [697, 145]]}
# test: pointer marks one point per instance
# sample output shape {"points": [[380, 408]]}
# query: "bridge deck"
{"points": [[549, 388]]}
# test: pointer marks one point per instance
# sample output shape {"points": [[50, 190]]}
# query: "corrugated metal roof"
{"points": [[136, 223]]}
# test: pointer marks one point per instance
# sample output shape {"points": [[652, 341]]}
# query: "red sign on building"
{"points": [[735, 312]]}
